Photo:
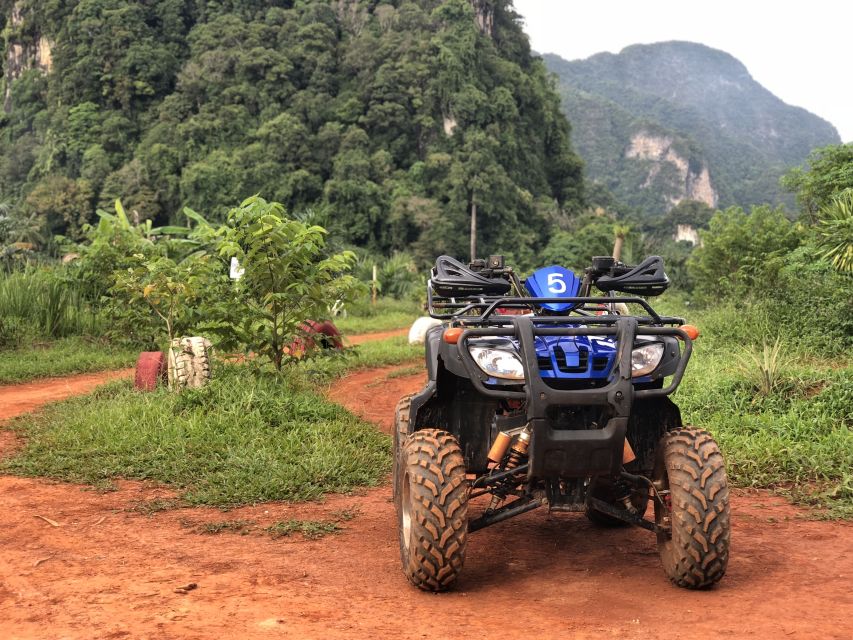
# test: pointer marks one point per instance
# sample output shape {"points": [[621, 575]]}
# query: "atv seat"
{"points": [[451, 279]]}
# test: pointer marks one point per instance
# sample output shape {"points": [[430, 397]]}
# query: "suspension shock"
{"points": [[512, 459]]}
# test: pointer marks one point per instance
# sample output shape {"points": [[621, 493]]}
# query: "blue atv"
{"points": [[542, 394]]}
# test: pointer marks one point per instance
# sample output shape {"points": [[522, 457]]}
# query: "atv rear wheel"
{"points": [[401, 432], [432, 509], [690, 476], [604, 489]]}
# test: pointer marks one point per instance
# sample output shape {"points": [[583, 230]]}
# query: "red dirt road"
{"points": [[108, 572], [17, 399]]}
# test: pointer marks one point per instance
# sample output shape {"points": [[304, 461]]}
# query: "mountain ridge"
{"points": [[700, 103]]}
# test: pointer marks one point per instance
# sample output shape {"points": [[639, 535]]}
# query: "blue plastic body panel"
{"points": [[553, 282], [574, 358]]}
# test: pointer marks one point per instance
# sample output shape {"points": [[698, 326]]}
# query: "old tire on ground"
{"points": [[401, 432], [603, 489], [150, 370], [691, 468], [189, 363], [432, 509], [322, 335]]}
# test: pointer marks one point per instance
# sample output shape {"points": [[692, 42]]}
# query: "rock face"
{"points": [[687, 233], [485, 16], [691, 184], [664, 122], [24, 55]]}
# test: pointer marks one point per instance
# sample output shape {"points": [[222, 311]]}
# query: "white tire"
{"points": [[417, 334], [189, 363]]}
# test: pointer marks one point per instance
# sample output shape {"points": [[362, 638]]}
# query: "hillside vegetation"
{"points": [[663, 122], [387, 119]]}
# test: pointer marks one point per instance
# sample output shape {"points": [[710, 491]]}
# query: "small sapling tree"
{"points": [[289, 278]]}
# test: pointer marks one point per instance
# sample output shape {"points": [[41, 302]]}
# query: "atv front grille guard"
{"points": [[587, 452]]}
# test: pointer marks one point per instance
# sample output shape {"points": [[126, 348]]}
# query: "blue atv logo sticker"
{"points": [[553, 282]]}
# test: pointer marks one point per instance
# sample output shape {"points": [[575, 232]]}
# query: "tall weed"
{"points": [[39, 303]]}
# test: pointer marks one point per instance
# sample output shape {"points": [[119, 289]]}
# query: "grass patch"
{"points": [[61, 357], [380, 353], [241, 439], [310, 529], [407, 371], [243, 527], [388, 314], [782, 414]]}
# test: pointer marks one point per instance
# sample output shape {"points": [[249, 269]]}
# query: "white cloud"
{"points": [[799, 51]]}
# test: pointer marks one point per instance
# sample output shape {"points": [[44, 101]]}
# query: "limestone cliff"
{"points": [[692, 179], [720, 137], [23, 52]]}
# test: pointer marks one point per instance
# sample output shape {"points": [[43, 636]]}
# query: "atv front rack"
{"points": [[472, 310]]}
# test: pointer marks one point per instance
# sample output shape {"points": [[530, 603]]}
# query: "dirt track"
{"points": [[109, 572]]}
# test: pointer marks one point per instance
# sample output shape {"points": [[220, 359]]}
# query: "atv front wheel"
{"points": [[432, 509], [690, 477]]}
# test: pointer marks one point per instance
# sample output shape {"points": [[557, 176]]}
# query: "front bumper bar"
{"points": [[574, 453]]}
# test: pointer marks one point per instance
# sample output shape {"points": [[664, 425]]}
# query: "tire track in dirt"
{"points": [[106, 571]]}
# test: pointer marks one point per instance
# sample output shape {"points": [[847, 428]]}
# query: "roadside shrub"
{"points": [[288, 278], [397, 275], [111, 247]]}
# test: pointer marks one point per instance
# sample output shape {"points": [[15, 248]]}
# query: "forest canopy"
{"points": [[387, 120]]}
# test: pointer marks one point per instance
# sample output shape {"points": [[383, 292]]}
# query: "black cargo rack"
{"points": [[475, 310]]}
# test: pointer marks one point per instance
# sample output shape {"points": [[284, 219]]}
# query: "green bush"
{"points": [[741, 252], [288, 278]]}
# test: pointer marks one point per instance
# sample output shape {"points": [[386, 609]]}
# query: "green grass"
{"points": [[794, 435], [61, 357], [42, 302], [310, 529], [379, 353], [243, 527], [388, 314], [242, 439]]}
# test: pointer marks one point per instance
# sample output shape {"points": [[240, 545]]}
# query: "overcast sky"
{"points": [[800, 51]]}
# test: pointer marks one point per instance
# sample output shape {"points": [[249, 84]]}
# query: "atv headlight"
{"points": [[645, 359], [498, 363]]}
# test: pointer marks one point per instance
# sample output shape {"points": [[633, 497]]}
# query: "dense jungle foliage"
{"points": [[387, 119]]}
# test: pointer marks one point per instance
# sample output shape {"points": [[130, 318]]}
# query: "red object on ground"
{"points": [[150, 369], [327, 328], [313, 330]]}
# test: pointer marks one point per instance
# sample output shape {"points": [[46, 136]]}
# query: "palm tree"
{"points": [[835, 231], [619, 231]]}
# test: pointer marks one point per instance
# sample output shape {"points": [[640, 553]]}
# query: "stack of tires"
{"points": [[185, 366]]}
